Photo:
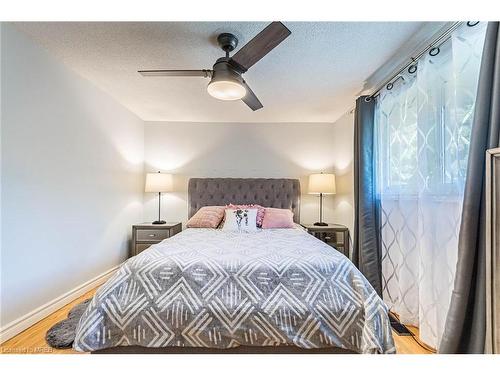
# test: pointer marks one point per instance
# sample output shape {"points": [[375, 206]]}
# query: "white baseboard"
{"points": [[17, 326]]}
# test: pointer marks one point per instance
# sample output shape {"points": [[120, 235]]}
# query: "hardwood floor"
{"points": [[32, 340], [408, 345]]}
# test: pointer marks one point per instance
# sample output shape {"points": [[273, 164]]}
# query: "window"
{"points": [[425, 120]]}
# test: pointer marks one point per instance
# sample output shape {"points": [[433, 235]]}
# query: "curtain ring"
{"points": [[434, 51], [368, 99], [472, 23], [389, 86], [412, 69]]}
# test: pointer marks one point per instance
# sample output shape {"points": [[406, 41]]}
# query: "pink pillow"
{"points": [[260, 210], [206, 217], [277, 218]]}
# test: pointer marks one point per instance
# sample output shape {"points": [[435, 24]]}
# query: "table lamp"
{"points": [[321, 183], [158, 183]]}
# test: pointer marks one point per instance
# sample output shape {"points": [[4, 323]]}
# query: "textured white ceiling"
{"points": [[313, 76]]}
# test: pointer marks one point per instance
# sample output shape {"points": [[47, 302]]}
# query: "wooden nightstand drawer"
{"points": [[153, 235], [334, 235], [146, 234], [141, 247]]}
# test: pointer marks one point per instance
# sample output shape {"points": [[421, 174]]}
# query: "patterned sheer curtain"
{"points": [[423, 129]]}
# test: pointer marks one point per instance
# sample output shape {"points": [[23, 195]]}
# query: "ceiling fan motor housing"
{"points": [[226, 82], [224, 71]]}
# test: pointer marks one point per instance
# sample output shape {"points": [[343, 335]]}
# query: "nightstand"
{"points": [[146, 234], [335, 235]]}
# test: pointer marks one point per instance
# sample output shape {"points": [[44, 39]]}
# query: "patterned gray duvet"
{"points": [[219, 289]]}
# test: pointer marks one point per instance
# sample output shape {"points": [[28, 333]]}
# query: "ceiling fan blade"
{"points": [[260, 46], [176, 73], [250, 99]]}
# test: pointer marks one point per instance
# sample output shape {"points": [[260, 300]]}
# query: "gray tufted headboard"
{"points": [[267, 192]]}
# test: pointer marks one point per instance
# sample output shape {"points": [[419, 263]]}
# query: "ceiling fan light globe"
{"points": [[226, 90]]}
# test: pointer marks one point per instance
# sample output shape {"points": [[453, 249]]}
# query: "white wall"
{"points": [[72, 178], [343, 149], [252, 150]]}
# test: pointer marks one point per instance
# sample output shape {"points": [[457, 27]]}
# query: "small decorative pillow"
{"points": [[241, 219], [206, 217], [260, 210], [278, 218]]}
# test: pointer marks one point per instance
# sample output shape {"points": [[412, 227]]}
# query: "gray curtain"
{"points": [[465, 324], [366, 250]]}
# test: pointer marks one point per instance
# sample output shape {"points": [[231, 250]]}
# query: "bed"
{"points": [[214, 291]]}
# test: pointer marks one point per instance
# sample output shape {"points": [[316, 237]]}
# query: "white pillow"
{"points": [[241, 219]]}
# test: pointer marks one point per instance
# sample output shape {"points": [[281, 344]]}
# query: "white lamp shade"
{"points": [[226, 90], [322, 183], [158, 183]]}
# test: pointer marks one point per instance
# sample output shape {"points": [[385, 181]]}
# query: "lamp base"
{"points": [[320, 224], [159, 222]]}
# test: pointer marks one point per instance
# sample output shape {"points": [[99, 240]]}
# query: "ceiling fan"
{"points": [[226, 81]]}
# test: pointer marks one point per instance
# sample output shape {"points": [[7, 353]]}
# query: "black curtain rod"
{"points": [[438, 41]]}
